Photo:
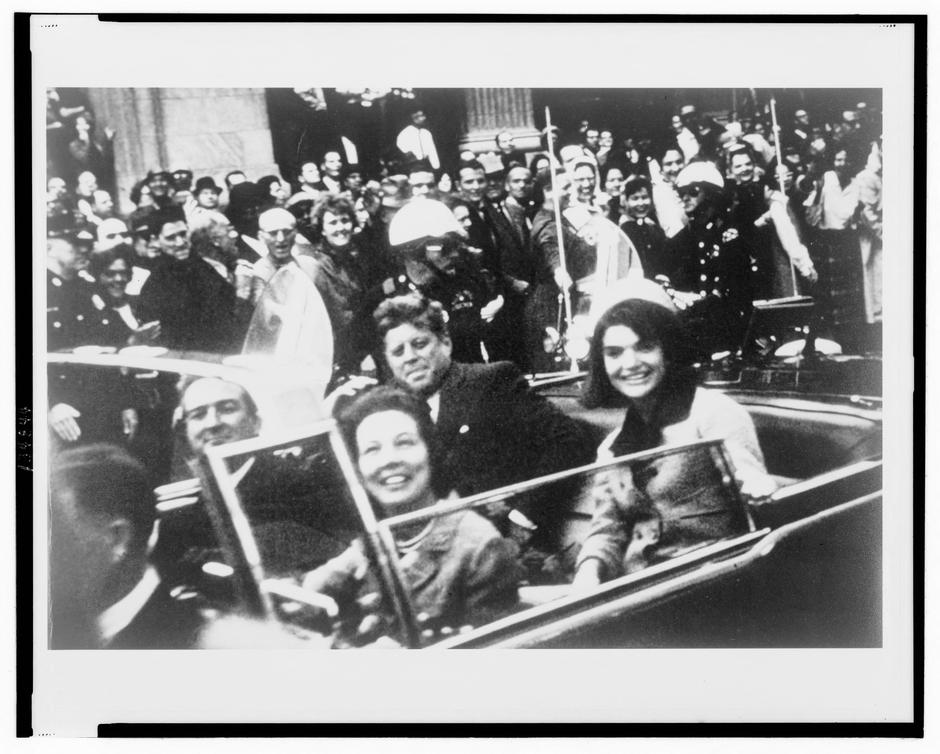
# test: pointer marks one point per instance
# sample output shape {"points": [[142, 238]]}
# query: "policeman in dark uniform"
{"points": [[71, 317], [710, 264], [85, 404], [429, 243], [747, 204]]}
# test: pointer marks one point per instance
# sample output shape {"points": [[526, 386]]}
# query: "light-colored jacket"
{"points": [[685, 490], [461, 572]]}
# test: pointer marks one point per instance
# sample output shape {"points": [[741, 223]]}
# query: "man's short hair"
{"points": [[671, 146], [739, 149], [101, 260], [410, 309], [251, 408], [106, 481], [172, 213], [472, 165]]}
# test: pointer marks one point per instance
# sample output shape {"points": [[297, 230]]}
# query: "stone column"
{"points": [[208, 131], [493, 110]]}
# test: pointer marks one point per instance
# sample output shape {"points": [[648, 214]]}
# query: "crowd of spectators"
{"points": [[710, 214]]}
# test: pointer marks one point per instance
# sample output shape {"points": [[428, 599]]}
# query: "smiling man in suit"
{"points": [[494, 430]]}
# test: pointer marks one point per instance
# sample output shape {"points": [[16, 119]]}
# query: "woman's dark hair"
{"points": [[137, 190], [388, 398], [101, 260], [335, 204], [652, 323], [539, 158], [244, 201], [605, 171], [852, 158], [671, 146], [634, 183], [265, 183]]}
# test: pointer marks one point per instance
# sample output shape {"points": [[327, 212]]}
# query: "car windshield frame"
{"points": [[723, 464], [240, 546]]}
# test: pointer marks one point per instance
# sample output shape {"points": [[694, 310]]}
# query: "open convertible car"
{"points": [[802, 569]]}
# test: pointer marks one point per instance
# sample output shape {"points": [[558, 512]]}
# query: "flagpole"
{"points": [[556, 202], [779, 149]]}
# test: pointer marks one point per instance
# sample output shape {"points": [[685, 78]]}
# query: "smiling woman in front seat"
{"points": [[641, 358], [457, 568]]}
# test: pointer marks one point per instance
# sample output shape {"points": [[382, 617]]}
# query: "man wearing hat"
{"points": [[146, 251], [429, 243], [183, 188], [207, 193], [75, 395], [160, 183], [69, 288], [710, 263]]}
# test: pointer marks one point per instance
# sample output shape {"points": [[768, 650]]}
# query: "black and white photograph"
{"points": [[596, 359]]}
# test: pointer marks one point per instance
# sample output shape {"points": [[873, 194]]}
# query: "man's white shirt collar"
{"points": [[119, 616], [434, 402]]}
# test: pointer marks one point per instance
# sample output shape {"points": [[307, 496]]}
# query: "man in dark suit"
{"points": [[504, 255], [197, 309], [494, 430], [104, 593]]}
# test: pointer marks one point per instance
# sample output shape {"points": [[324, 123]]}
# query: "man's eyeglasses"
{"points": [[692, 191]]}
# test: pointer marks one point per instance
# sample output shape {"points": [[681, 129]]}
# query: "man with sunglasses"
{"points": [[709, 262], [430, 244]]}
